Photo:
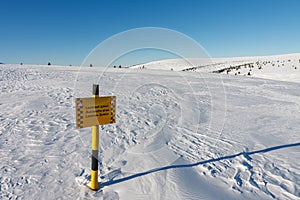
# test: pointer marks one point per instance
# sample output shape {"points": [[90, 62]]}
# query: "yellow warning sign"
{"points": [[95, 111]]}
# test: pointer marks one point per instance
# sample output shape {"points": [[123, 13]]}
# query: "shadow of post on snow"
{"points": [[246, 154]]}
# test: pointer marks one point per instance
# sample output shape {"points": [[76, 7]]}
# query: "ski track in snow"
{"points": [[164, 145]]}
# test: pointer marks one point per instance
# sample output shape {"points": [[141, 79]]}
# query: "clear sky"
{"points": [[65, 31]]}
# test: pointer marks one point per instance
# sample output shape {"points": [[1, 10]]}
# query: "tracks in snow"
{"points": [[35, 125], [42, 153]]}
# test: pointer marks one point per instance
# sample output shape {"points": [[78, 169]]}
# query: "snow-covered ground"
{"points": [[179, 135], [280, 67]]}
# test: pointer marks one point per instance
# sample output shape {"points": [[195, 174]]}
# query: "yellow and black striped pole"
{"points": [[95, 147]]}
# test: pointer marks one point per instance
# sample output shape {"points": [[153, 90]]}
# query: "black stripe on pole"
{"points": [[96, 89], [94, 159]]}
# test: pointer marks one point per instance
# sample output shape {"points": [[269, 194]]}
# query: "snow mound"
{"points": [[278, 67]]}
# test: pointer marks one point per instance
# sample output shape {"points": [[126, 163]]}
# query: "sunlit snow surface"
{"points": [[179, 135]]}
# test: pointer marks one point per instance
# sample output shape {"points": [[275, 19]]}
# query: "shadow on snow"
{"points": [[246, 154]]}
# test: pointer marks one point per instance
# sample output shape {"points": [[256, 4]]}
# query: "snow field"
{"points": [[179, 135]]}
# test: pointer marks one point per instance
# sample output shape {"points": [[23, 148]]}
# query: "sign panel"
{"points": [[95, 111]]}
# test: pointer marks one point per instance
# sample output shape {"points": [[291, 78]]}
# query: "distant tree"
{"points": [[21, 63], [249, 73], [49, 63], [91, 65], [120, 66], [115, 66]]}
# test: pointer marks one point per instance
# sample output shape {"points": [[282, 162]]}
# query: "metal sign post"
{"points": [[93, 112], [95, 147]]}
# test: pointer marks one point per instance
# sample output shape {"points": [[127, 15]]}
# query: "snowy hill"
{"points": [[279, 67], [179, 135]]}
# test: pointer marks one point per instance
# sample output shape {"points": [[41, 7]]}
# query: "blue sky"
{"points": [[65, 31]]}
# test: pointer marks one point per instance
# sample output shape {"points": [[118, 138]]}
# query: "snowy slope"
{"points": [[179, 135], [279, 67]]}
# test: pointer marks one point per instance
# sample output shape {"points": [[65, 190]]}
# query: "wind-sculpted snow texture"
{"points": [[179, 135]]}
